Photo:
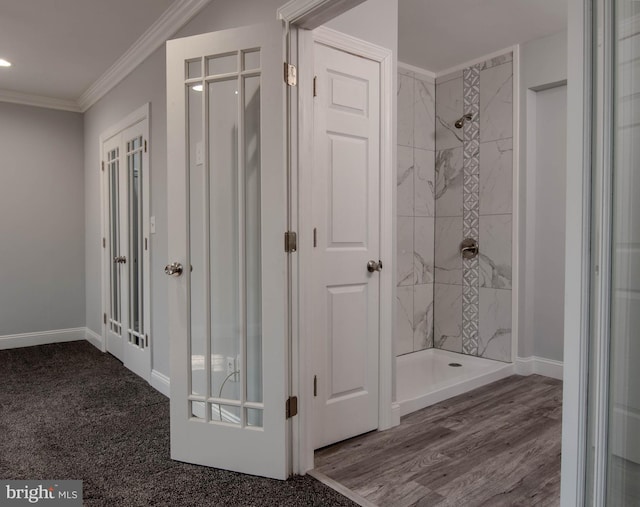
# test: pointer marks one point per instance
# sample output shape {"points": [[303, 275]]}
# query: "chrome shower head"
{"points": [[460, 123]]}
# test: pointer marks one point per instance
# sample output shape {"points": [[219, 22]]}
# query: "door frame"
{"points": [[577, 254], [311, 13], [301, 280], [139, 115]]}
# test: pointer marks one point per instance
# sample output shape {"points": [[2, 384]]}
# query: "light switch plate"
{"points": [[152, 224]]}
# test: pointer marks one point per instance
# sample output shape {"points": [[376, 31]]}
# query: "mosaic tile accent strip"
{"points": [[471, 208], [471, 224], [470, 202]]}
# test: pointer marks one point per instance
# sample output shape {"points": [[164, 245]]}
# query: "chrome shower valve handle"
{"points": [[469, 248]]}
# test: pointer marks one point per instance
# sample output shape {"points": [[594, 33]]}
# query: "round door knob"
{"points": [[173, 269], [374, 266]]}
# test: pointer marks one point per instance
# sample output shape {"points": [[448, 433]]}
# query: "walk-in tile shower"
{"points": [[455, 181]]}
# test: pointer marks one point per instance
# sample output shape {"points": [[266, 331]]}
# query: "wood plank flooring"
{"points": [[498, 445]]}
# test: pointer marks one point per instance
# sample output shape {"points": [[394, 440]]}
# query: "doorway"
{"points": [[545, 222], [125, 242], [346, 244], [341, 283]]}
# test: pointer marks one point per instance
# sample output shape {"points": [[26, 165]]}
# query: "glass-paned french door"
{"points": [[613, 450], [126, 247], [227, 216]]}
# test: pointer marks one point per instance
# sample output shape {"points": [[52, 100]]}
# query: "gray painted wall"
{"points": [[376, 20], [146, 84], [543, 63], [42, 220], [549, 228]]}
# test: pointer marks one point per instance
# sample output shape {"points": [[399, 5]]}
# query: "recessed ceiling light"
{"points": [[197, 88], [4, 63]]}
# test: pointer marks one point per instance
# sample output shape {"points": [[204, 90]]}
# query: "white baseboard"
{"points": [[524, 366], [539, 366], [94, 339], [395, 414], [14, 341], [160, 382]]}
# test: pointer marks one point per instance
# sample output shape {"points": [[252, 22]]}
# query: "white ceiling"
{"points": [[58, 48], [438, 34]]}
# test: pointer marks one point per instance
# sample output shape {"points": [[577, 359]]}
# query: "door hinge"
{"points": [[146, 243], [104, 318], [315, 386], [315, 86], [102, 166], [292, 407], [290, 242], [145, 146], [290, 74], [146, 340], [104, 242], [315, 237]]}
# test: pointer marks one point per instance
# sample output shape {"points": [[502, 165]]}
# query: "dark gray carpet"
{"points": [[67, 411]]}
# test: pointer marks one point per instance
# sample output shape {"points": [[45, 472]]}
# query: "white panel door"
{"points": [[346, 217], [227, 216], [127, 316]]}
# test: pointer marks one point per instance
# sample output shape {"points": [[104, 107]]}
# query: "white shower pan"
{"points": [[425, 378]]}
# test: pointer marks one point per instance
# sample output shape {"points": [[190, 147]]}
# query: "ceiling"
{"points": [[58, 48], [439, 34]]}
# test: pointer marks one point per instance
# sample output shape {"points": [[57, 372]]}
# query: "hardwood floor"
{"points": [[498, 445]]}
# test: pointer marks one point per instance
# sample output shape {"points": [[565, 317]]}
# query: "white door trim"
{"points": [[143, 113], [516, 210], [301, 279], [310, 14]]}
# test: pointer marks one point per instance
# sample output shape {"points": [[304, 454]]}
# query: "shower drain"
{"points": [[455, 365]]}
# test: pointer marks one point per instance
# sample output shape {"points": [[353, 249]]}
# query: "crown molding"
{"points": [[418, 71], [28, 99], [174, 18]]}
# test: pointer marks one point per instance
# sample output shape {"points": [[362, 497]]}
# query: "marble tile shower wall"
{"points": [[415, 212], [473, 198]]}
